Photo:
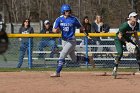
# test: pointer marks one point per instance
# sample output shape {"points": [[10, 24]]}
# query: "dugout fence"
{"points": [[103, 54]]}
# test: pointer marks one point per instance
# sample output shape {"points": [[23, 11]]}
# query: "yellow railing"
{"points": [[59, 35]]}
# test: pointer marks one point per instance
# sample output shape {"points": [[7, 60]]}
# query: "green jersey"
{"points": [[127, 30]]}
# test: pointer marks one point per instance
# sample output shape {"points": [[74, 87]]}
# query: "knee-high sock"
{"points": [[116, 62], [60, 65]]}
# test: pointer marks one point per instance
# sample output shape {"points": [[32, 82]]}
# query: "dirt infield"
{"points": [[69, 82]]}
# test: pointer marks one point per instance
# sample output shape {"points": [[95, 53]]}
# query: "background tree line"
{"points": [[113, 11]]}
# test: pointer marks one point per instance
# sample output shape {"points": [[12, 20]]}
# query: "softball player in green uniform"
{"points": [[124, 36]]}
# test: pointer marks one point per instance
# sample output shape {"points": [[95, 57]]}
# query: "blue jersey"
{"points": [[67, 26]]}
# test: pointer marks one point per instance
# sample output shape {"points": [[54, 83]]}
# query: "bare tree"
{"points": [[14, 10], [114, 11]]}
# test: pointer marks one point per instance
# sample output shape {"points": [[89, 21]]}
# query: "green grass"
{"points": [[76, 69]]}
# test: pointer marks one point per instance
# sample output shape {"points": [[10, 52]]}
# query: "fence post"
{"points": [[29, 54], [86, 49]]}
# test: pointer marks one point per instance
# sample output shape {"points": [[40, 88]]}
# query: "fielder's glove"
{"points": [[130, 47]]}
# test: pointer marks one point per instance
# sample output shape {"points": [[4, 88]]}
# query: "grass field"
{"points": [[70, 69]]}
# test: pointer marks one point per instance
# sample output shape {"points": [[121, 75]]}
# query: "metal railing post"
{"points": [[86, 49], [29, 54]]}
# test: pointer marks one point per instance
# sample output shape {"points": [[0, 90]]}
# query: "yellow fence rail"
{"points": [[59, 35]]}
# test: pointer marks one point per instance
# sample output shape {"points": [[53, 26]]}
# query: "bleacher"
{"points": [[104, 58], [101, 58]]}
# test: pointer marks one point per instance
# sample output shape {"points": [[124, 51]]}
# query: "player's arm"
{"points": [[56, 28], [122, 31], [120, 36]]}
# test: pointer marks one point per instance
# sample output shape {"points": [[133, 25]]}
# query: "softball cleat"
{"points": [[114, 73], [55, 75]]}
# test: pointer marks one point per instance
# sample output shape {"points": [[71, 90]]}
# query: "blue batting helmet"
{"points": [[64, 8]]}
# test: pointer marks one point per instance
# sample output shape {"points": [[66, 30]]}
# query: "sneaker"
{"points": [[114, 73], [55, 75]]}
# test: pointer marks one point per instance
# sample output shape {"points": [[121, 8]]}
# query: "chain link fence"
{"points": [[99, 52]]}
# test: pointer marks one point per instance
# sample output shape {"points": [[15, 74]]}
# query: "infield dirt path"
{"points": [[69, 82]]}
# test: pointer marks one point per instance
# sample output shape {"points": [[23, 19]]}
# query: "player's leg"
{"points": [[61, 60], [119, 48], [67, 48], [22, 51], [73, 56]]}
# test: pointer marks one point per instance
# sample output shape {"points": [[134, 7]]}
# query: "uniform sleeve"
{"points": [[56, 23], [77, 23], [123, 28]]}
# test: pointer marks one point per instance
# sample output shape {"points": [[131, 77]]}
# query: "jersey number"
{"points": [[66, 29]]}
